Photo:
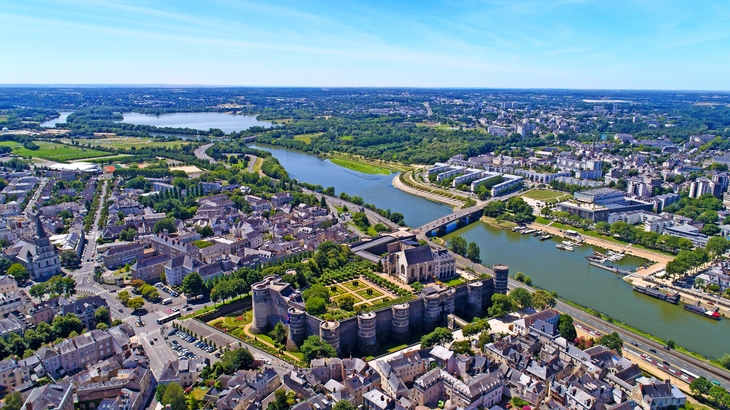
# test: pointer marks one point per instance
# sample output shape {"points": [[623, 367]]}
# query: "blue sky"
{"points": [[614, 44]]}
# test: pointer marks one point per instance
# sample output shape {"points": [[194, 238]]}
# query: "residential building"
{"points": [[123, 254], [150, 269], [53, 396]]}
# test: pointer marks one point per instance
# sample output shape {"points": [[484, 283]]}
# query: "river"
{"points": [[567, 273], [60, 120], [373, 189], [197, 120]]}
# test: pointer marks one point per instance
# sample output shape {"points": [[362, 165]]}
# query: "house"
{"points": [[177, 268], [658, 396], [50, 397], [85, 308], [122, 255], [548, 319], [150, 269]]}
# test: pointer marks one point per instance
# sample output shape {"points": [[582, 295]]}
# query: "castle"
{"points": [[276, 301]]}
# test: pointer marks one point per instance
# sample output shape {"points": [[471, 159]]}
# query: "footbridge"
{"points": [[461, 217]]}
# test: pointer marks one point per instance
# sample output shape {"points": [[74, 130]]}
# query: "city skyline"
{"points": [[556, 44]]}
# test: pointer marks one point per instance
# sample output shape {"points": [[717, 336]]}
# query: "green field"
{"points": [[53, 152], [546, 194], [137, 143], [3, 119], [307, 138], [360, 167]]}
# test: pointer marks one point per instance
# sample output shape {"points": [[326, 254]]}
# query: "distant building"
{"points": [[597, 204]]}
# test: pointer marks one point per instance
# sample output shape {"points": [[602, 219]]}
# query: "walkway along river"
{"points": [[567, 273]]}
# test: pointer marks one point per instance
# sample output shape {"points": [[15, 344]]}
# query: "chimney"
{"points": [[29, 406]]}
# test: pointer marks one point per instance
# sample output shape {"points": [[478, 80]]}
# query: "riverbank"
{"points": [[686, 295], [431, 196], [368, 166], [628, 249]]}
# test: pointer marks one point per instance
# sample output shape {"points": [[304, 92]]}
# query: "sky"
{"points": [[584, 44]]}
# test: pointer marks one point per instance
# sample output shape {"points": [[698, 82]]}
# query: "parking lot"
{"points": [[186, 345]]}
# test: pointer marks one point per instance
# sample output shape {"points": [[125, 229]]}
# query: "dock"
{"points": [[610, 268]]}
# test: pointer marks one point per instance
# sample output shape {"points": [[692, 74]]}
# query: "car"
{"points": [[188, 309], [634, 344], [152, 342], [651, 349], [174, 342], [172, 332], [121, 311], [218, 355], [666, 362], [155, 338]]}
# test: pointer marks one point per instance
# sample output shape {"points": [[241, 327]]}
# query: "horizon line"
{"points": [[154, 85]]}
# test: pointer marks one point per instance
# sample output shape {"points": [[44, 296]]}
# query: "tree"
{"points": [[417, 286], [528, 281], [64, 325], [717, 245], [566, 327], [484, 338], [346, 302], [542, 299], [440, 336], [725, 361], [127, 235], [193, 284], [475, 328], [174, 396], [160, 392], [501, 305], [314, 347], [458, 245], [101, 315], [124, 297], [135, 303], [162, 224], [13, 401], [18, 272], [494, 209], [237, 359], [520, 277], [69, 258], [343, 405], [473, 252], [700, 385], [462, 347], [522, 297], [315, 305], [612, 341], [279, 333]]}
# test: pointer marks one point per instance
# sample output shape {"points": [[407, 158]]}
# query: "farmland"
{"points": [[52, 151]]}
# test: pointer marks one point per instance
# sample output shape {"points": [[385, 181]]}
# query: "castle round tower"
{"points": [[261, 298], [297, 327], [400, 329], [474, 299], [366, 333], [329, 331]]}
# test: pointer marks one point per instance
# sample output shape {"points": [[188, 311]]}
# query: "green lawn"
{"points": [[346, 138], [364, 294], [198, 393], [544, 194], [52, 151], [455, 282], [307, 138], [350, 285], [201, 244], [337, 299], [360, 167], [137, 143]]}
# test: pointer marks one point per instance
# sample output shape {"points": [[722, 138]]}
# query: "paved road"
{"points": [[200, 153], [372, 215], [36, 195], [632, 341]]}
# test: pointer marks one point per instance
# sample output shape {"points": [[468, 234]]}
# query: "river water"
{"points": [[196, 120], [567, 273], [374, 189], [60, 120]]}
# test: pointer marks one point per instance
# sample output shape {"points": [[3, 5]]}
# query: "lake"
{"points": [[197, 120]]}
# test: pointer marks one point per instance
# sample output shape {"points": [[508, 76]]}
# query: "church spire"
{"points": [[39, 227]]}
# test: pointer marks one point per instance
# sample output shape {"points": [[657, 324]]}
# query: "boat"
{"points": [[567, 243], [527, 231], [517, 228], [698, 309], [595, 258], [546, 237], [564, 247], [537, 233], [655, 293]]}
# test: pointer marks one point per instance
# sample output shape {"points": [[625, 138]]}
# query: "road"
{"points": [[373, 216], [36, 195], [633, 341], [200, 153]]}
